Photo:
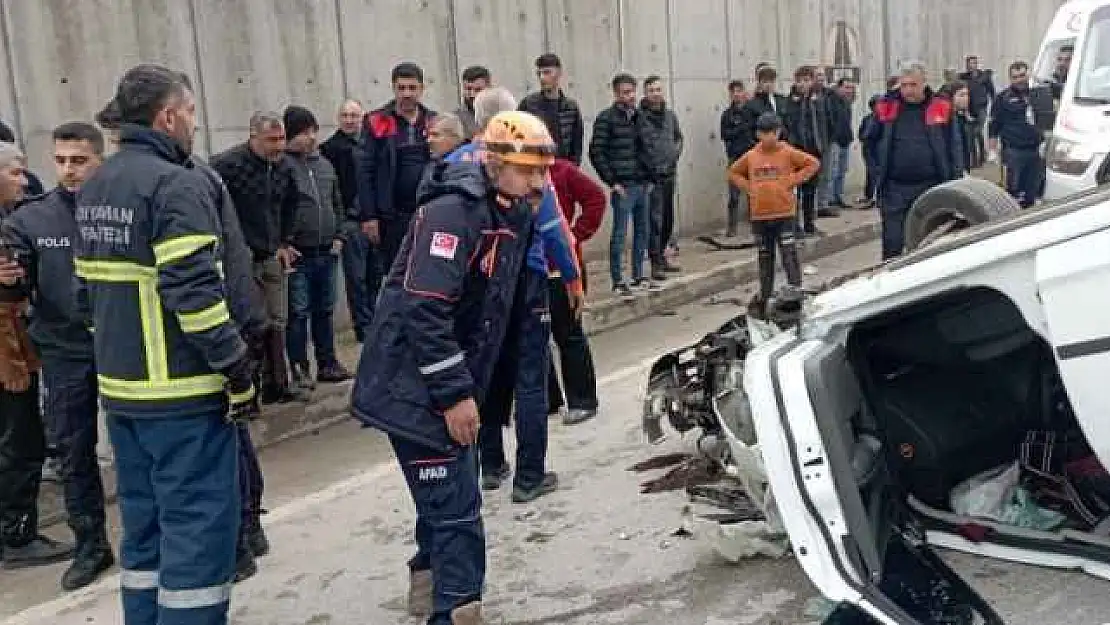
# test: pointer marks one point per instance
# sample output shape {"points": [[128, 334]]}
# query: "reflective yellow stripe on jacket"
{"points": [[158, 385]]}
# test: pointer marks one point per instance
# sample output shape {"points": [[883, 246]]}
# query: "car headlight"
{"points": [[1068, 157]]}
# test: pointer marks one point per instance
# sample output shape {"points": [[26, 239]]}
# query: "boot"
{"points": [[301, 374], [25, 547], [420, 593], [245, 566], [258, 543], [469, 614], [93, 555], [549, 485], [275, 353]]}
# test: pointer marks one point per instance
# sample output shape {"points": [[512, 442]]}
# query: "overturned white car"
{"points": [[952, 397]]}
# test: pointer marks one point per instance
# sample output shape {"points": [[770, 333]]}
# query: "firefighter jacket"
{"points": [[147, 256], [443, 310]]}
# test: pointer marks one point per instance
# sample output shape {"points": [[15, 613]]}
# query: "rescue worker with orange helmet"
{"points": [[439, 326]]}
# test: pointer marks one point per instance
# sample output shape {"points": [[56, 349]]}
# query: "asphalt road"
{"points": [[595, 552]]}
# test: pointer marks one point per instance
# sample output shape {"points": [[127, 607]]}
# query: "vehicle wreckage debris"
{"points": [[660, 462], [691, 472]]}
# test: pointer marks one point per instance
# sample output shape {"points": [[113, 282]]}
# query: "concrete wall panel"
{"points": [[265, 55], [504, 35], [702, 191], [68, 57], [753, 38], [586, 36], [378, 34], [645, 38], [699, 36]]}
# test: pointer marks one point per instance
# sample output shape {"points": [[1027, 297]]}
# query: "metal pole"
{"points": [[885, 29], [201, 90], [342, 49], [13, 85]]}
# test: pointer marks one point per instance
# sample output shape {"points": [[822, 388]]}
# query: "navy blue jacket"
{"points": [[1011, 121], [376, 159], [41, 232], [944, 136], [148, 255], [443, 311]]}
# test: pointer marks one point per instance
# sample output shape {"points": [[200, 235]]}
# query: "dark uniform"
{"points": [[438, 328], [148, 255], [1012, 122], [918, 147], [41, 232]]}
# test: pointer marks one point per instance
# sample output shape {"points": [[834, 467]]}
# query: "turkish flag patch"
{"points": [[444, 245]]}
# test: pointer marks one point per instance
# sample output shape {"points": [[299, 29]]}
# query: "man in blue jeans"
{"points": [[618, 155], [318, 243]]}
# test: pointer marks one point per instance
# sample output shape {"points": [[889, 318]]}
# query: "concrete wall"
{"points": [[61, 58]]}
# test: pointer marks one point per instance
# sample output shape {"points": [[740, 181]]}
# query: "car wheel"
{"points": [[955, 205]]}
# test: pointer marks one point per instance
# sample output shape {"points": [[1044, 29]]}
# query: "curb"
{"points": [[616, 312], [330, 402]]}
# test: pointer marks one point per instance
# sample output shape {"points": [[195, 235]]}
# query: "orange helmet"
{"points": [[519, 138]]}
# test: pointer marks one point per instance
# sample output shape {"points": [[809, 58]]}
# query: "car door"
{"points": [[1073, 283], [847, 530]]}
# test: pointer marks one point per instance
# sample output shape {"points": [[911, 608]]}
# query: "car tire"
{"points": [[967, 202]]}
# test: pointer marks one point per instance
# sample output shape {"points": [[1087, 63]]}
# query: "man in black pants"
{"points": [[980, 87], [22, 443]]}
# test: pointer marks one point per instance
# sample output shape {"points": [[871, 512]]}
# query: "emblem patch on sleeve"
{"points": [[444, 245]]}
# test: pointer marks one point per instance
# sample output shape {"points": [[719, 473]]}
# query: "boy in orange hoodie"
{"points": [[769, 174]]}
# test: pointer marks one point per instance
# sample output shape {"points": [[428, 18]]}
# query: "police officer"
{"points": [[173, 372], [1012, 122], [439, 326], [42, 231]]}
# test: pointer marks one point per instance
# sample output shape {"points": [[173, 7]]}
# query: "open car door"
{"points": [[846, 521]]}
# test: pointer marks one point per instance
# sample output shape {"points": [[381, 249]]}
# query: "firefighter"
{"points": [[41, 232], [173, 372], [439, 326]]}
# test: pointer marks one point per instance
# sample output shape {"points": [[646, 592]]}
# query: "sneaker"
{"points": [[300, 375], [87, 566], [646, 284], [526, 495], [420, 593], [828, 211], [575, 416], [622, 289], [670, 267], [40, 551], [245, 566], [492, 480], [657, 273], [333, 373]]}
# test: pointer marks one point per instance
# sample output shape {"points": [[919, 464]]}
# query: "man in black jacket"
{"points": [[1021, 139], [663, 143], [558, 111], [618, 155], [811, 127], [41, 233], [318, 241], [918, 148], [737, 136], [361, 270], [980, 86], [22, 445], [393, 152], [260, 180]]}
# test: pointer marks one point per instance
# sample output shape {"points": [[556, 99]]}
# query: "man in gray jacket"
{"points": [[663, 141], [318, 240]]}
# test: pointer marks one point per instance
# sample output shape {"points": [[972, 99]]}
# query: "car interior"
{"points": [[954, 392]]}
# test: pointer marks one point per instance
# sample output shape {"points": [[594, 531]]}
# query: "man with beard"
{"points": [[41, 233], [980, 91], [150, 283], [361, 272], [393, 153], [559, 111], [438, 332], [918, 147], [474, 79], [1012, 123], [663, 143]]}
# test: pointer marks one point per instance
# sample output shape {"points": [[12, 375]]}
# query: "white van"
{"points": [[1079, 142]]}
